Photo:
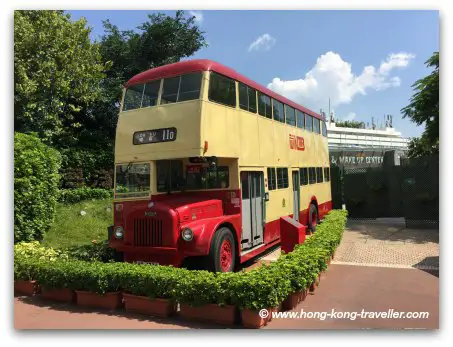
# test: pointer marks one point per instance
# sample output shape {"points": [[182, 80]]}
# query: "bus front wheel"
{"points": [[312, 218], [222, 255]]}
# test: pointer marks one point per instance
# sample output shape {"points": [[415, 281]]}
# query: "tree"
{"points": [[57, 75], [424, 109]]}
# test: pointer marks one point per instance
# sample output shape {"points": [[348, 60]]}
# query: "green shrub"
{"points": [[202, 287], [264, 287], [151, 281], [94, 277], [72, 196], [92, 252], [35, 251], [36, 180]]}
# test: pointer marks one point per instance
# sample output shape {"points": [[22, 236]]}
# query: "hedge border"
{"points": [[264, 287]]}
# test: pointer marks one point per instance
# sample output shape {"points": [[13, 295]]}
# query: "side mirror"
{"points": [[266, 196]]}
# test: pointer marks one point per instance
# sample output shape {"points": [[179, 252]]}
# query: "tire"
{"points": [[222, 255], [313, 218]]}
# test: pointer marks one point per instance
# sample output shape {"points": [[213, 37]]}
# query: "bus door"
{"points": [[253, 212], [296, 195]]}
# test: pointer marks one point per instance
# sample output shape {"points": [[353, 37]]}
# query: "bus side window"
{"points": [[319, 178], [326, 174], [264, 105], [290, 115], [308, 122], [282, 177], [222, 90], [311, 175], [316, 127], [300, 119], [271, 182], [303, 177]]}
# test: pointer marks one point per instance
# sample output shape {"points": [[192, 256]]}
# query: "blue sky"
{"points": [[365, 61]]}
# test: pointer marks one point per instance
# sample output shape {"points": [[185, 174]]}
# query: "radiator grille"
{"points": [[147, 232]]}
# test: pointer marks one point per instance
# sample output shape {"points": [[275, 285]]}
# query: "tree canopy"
{"points": [[424, 109], [57, 74]]}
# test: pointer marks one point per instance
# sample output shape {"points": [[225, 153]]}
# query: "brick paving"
{"points": [[388, 244]]}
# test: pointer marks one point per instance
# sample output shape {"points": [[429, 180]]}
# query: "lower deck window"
{"points": [[282, 177], [319, 178], [199, 177], [169, 175], [311, 175]]}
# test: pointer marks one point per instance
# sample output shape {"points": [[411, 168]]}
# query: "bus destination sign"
{"points": [[154, 136]]}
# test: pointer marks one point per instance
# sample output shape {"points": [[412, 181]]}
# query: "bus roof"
{"points": [[196, 65]]}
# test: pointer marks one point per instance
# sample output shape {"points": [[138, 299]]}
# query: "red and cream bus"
{"points": [[207, 161]]}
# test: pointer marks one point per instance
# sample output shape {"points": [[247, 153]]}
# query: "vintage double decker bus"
{"points": [[206, 163]]}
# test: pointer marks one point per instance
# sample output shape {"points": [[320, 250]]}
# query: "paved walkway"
{"points": [[387, 243], [379, 266]]}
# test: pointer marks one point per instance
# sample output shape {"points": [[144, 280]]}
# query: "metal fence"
{"points": [[409, 190]]}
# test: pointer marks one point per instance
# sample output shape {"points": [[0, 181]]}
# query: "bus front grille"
{"points": [[147, 232]]}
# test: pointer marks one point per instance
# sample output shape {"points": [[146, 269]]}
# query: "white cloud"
{"points": [[262, 43], [198, 16], [332, 77]]}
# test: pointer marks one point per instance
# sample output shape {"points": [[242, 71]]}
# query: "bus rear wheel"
{"points": [[312, 218], [222, 255]]}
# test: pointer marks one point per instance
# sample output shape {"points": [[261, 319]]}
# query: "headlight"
{"points": [[187, 234], [119, 232]]}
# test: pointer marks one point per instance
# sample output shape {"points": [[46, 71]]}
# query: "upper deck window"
{"points": [[300, 119], [316, 126], [277, 107], [181, 88], [324, 129], [222, 90], [290, 115], [308, 122], [264, 105], [151, 93], [133, 97], [247, 98]]}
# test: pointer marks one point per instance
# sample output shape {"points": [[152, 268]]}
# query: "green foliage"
{"points": [[152, 281], [424, 109], [35, 187], [72, 196], [350, 124], [57, 75], [202, 287], [95, 251], [264, 287], [422, 147], [36, 251], [71, 228]]}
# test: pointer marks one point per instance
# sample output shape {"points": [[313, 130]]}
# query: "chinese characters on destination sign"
{"points": [[154, 136]]}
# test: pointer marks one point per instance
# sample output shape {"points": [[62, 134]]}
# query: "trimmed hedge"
{"points": [[36, 181], [264, 287], [72, 196]]}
